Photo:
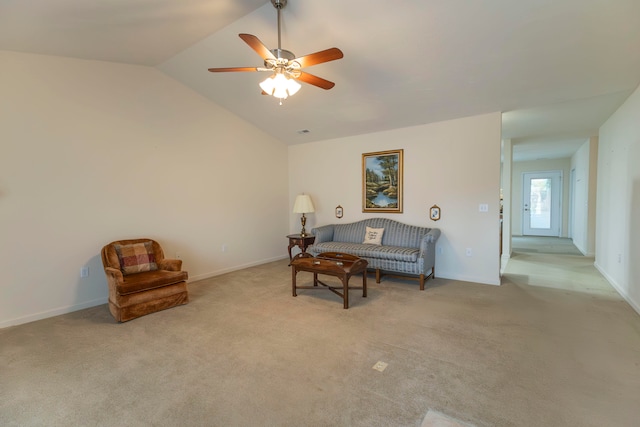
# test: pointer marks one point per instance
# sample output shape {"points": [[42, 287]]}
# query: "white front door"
{"points": [[541, 203]]}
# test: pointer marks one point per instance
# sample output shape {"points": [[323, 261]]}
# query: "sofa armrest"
{"points": [[428, 247], [170, 264], [323, 234]]}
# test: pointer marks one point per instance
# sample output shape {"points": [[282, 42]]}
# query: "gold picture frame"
{"points": [[434, 213], [382, 186]]}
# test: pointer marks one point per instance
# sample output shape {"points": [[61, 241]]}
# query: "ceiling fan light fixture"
{"points": [[280, 86], [284, 65]]}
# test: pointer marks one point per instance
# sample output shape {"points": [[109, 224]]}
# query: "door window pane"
{"points": [[540, 204]]}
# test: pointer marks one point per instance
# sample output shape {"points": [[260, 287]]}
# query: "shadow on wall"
{"points": [[91, 290], [634, 245]]}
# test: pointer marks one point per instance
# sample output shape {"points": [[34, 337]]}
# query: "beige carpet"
{"points": [[543, 244], [436, 419], [244, 352]]}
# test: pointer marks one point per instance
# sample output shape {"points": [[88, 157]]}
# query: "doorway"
{"points": [[541, 198]]}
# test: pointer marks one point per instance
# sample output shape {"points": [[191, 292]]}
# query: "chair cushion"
{"points": [[150, 280], [136, 257]]}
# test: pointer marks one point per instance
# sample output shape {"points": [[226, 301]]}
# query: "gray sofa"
{"points": [[405, 249]]}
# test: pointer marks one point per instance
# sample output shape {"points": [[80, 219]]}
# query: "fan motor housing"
{"points": [[283, 54]]}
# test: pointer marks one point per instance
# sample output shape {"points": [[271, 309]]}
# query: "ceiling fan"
{"points": [[283, 64]]}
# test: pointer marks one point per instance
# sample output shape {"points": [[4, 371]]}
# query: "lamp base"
{"points": [[303, 220]]}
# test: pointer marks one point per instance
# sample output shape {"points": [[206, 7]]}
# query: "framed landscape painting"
{"points": [[382, 181]]}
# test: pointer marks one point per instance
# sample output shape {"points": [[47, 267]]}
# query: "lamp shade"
{"points": [[303, 204]]}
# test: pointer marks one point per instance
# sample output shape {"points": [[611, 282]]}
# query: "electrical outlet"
{"points": [[483, 207], [468, 252], [380, 366], [440, 250], [84, 272]]}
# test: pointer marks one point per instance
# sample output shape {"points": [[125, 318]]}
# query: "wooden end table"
{"points": [[300, 241], [337, 264]]}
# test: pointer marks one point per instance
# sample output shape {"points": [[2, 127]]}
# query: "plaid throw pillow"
{"points": [[136, 258]]}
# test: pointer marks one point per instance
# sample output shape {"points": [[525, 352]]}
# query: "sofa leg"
{"points": [[378, 275], [432, 275]]}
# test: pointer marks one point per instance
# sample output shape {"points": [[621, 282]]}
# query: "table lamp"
{"points": [[303, 205]]}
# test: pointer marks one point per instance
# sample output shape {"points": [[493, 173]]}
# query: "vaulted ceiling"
{"points": [[557, 69]]}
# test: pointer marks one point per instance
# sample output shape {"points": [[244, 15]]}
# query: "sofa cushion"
{"points": [[150, 280], [373, 236], [395, 233], [136, 257], [349, 233], [395, 253]]}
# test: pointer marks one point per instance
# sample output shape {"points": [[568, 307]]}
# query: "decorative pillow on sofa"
{"points": [[136, 258], [373, 236]]}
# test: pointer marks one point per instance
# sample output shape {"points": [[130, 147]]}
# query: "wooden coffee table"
{"points": [[337, 264]]}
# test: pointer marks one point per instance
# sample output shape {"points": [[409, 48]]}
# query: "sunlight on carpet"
{"points": [[436, 419]]}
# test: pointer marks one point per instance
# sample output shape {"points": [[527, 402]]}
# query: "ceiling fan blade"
{"points": [[255, 44], [316, 81], [319, 57], [224, 70]]}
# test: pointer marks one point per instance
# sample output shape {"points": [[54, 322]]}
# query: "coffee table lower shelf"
{"points": [[336, 264]]}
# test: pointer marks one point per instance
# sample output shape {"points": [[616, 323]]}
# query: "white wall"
{"points": [[454, 164], [507, 193], [92, 152], [583, 163], [593, 194], [518, 168], [618, 204]]}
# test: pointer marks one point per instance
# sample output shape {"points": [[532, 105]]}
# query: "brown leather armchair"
{"points": [[141, 280]]}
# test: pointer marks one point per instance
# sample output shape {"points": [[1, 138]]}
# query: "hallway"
{"points": [[554, 263]]}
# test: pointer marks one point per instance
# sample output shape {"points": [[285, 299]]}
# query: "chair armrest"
{"points": [[170, 264], [323, 234], [114, 276]]}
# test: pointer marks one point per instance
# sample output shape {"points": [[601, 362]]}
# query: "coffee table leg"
{"points": [[315, 279], [345, 291], [293, 280], [364, 283]]}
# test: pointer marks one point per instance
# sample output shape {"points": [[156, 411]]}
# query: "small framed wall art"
{"points": [[339, 211], [434, 213]]}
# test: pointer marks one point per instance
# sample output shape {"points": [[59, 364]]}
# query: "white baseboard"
{"points": [[54, 312], [453, 276], [234, 268], [623, 293], [99, 301]]}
